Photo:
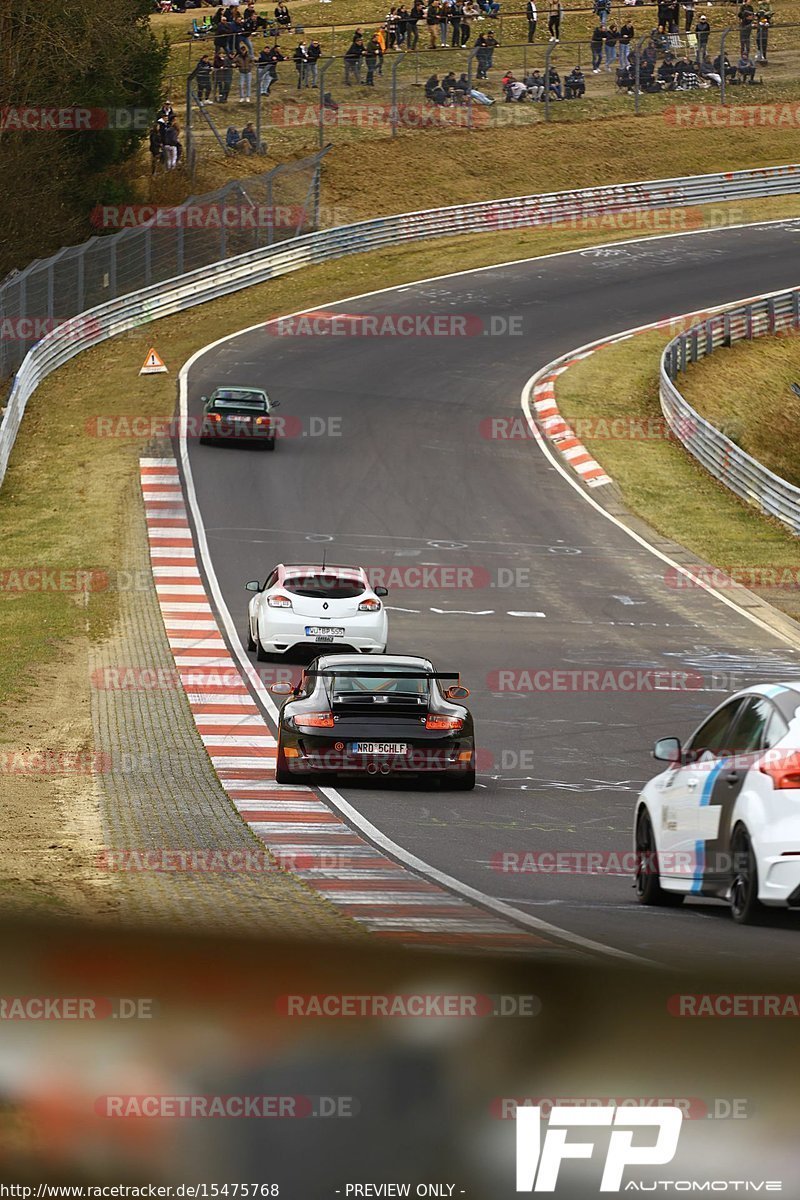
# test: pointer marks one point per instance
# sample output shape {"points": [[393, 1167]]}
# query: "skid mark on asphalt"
{"points": [[388, 899]]}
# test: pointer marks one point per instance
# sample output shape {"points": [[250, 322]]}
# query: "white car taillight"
{"points": [[279, 601], [369, 606]]}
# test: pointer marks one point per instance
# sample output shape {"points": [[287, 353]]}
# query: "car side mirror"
{"points": [[457, 692], [668, 749], [204, 399], [282, 688], [274, 403], [253, 586], [381, 591]]}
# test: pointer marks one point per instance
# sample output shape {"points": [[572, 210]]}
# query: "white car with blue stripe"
{"points": [[723, 819]]}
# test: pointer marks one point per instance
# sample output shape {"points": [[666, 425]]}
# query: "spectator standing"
{"points": [[626, 35], [171, 145], [413, 19], [612, 39], [202, 75], [602, 10], [401, 33], [596, 47], [469, 12], [372, 58], [703, 32], [444, 16], [688, 14], [390, 25], [224, 76], [244, 63], [482, 56], [533, 18], [491, 45], [763, 20], [432, 20], [300, 59], [455, 23], [746, 16], [554, 14], [314, 54], [352, 60]]}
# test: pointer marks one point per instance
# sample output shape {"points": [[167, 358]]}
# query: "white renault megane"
{"points": [[307, 605]]}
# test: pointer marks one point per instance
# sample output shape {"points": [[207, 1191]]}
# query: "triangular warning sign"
{"points": [[153, 365]]}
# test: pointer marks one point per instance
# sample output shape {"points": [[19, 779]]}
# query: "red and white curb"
{"points": [[391, 901], [559, 432]]}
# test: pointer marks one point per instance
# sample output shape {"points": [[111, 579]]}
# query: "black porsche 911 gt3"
{"points": [[387, 717]]}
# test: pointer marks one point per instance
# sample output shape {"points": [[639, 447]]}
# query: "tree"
{"points": [[101, 60]]}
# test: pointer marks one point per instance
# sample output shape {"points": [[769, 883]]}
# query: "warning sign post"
{"points": [[153, 364]]}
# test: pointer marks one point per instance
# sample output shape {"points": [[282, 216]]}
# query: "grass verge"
{"points": [[701, 514], [747, 390]]}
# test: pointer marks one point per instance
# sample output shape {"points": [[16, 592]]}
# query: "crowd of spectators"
{"points": [[674, 58]]}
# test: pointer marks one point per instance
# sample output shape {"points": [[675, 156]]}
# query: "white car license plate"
{"points": [[324, 631], [379, 748]]}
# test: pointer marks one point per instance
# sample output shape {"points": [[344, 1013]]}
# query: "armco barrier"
{"points": [[720, 456], [257, 266]]}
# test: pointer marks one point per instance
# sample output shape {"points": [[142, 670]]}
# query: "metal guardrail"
{"points": [[257, 266], [712, 448]]}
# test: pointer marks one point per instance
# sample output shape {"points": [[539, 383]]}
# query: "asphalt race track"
{"points": [[411, 479]]}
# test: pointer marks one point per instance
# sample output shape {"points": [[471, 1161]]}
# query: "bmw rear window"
{"points": [[324, 587], [244, 403]]}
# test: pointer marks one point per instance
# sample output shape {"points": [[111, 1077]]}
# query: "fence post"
{"points": [[470, 61], [112, 268], [637, 90], [322, 74], [722, 76], [148, 254], [188, 121], [395, 113]]}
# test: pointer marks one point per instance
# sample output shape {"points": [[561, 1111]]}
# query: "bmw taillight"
{"points": [[279, 601], [442, 723], [262, 420], [369, 606], [213, 417], [314, 720], [783, 768]]}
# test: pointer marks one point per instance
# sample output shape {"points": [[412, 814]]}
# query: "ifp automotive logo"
{"points": [[539, 1159]]}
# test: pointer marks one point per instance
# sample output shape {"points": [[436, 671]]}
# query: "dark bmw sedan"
{"points": [[236, 414], [391, 716]]}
